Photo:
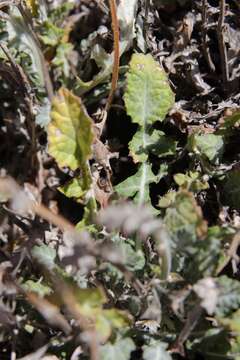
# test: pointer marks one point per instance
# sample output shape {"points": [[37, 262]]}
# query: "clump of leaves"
{"points": [[82, 109]]}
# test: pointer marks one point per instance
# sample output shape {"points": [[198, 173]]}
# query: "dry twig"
{"points": [[116, 49], [206, 50], [221, 44]]}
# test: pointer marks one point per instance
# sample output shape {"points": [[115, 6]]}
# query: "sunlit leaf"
{"points": [[109, 319], [70, 131], [51, 34], [61, 58], [166, 200], [117, 318], [90, 300], [73, 189], [156, 351], [104, 62], [37, 287], [18, 35], [234, 322], [191, 181], [209, 145], [32, 6], [148, 97], [91, 303], [45, 255], [120, 350], [229, 123]]}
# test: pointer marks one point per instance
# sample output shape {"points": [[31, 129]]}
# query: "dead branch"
{"points": [[221, 44], [204, 36]]}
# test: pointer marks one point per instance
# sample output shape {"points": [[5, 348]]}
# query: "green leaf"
{"points": [[148, 97], [73, 189], [166, 200], [228, 297], [90, 300], [105, 62], [45, 255], [192, 247], [209, 145], [233, 322], [117, 318], [120, 350], [157, 143], [70, 131], [156, 351], [91, 303], [61, 58], [231, 189], [126, 16], [137, 186], [37, 287], [229, 123], [22, 41], [51, 34], [43, 113], [32, 6], [133, 259], [110, 319], [86, 223], [184, 219], [191, 181]]}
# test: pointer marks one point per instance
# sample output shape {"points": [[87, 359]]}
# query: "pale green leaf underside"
{"points": [[148, 97], [70, 131], [45, 255], [156, 351], [120, 350]]}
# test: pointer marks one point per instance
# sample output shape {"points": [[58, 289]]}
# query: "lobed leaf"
{"points": [[157, 143], [45, 255], [209, 145], [184, 219], [137, 186]]}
